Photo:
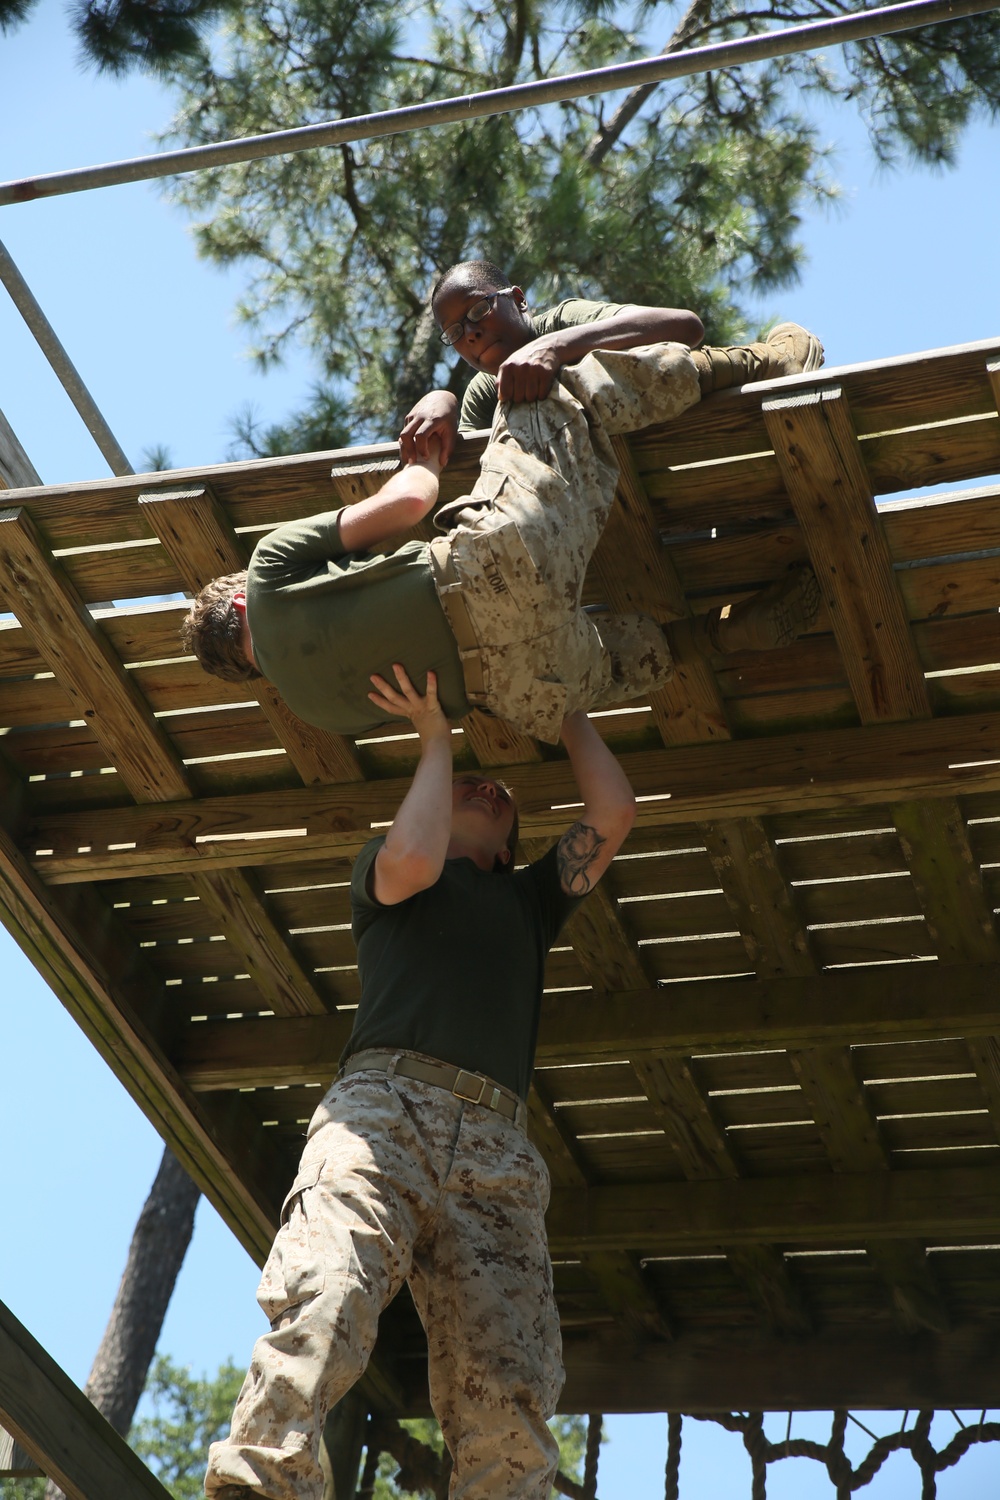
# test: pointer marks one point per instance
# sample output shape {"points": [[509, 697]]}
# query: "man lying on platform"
{"points": [[493, 606]]}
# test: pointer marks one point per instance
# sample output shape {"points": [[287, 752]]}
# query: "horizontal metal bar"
{"points": [[804, 38], [64, 368]]}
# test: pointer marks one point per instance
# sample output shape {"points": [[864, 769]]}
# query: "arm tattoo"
{"points": [[578, 848]]}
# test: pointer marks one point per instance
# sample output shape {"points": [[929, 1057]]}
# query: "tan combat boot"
{"points": [[787, 350]]}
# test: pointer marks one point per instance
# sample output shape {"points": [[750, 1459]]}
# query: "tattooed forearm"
{"points": [[578, 848]]}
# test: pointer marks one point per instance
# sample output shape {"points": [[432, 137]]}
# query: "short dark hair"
{"points": [[213, 630], [480, 275]]}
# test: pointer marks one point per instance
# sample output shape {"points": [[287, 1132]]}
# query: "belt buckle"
{"points": [[456, 1087]]}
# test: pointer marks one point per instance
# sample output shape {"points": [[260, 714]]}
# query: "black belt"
{"points": [[475, 1088]]}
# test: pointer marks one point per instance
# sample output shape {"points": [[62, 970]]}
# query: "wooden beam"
{"points": [[202, 543], [62, 1431], [636, 576], [826, 480], [223, 1153], [15, 1462], [89, 671], [915, 1002], [16, 469], [38, 592], [736, 1369], [842, 1209], [945, 872], [234, 897], [846, 768]]}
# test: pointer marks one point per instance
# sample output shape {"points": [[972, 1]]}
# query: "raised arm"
{"points": [[528, 373], [413, 855], [405, 498], [586, 850]]}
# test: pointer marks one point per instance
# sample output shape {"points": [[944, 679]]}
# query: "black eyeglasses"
{"points": [[476, 313]]}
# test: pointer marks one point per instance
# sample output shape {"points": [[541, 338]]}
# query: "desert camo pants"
{"points": [[401, 1181], [521, 541]]}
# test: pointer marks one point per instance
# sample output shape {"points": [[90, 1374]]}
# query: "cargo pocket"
{"points": [[295, 1269]]}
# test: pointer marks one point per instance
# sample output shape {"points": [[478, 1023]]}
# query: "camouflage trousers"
{"points": [[402, 1181], [519, 544]]}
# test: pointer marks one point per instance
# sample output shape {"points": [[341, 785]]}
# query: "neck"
{"points": [[461, 848]]}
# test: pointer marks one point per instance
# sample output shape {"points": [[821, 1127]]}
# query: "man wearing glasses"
{"points": [[517, 354], [417, 1165], [493, 606]]}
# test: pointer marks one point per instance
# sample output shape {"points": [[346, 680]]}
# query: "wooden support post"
{"points": [[65, 1435]]}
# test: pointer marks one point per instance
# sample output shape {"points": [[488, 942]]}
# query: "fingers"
{"points": [[424, 438], [404, 700]]}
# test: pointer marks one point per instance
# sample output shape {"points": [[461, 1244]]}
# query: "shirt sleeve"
{"points": [[298, 545], [555, 905], [364, 906], [479, 403]]}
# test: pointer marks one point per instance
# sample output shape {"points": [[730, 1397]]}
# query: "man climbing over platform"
{"points": [[493, 606], [417, 1166], [518, 354]]}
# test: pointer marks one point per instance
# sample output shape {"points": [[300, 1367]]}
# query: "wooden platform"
{"points": [[769, 1071]]}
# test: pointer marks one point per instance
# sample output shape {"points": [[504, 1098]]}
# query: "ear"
{"points": [[519, 298], [240, 601], [502, 857]]}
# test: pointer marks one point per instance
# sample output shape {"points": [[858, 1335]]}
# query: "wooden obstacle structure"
{"points": [[768, 1081]]}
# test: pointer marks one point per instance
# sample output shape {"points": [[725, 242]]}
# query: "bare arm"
{"points": [[586, 850], [404, 499], [413, 855], [528, 373]]}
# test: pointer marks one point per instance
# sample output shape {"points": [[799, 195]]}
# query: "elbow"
{"points": [[412, 871], [620, 819], [692, 329]]}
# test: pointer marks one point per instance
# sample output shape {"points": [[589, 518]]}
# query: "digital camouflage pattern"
{"points": [[521, 541], [402, 1181]]}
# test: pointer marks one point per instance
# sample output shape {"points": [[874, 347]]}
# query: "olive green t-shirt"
{"points": [[322, 620], [479, 403], [456, 971]]}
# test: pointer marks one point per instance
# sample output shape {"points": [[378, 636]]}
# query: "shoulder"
{"points": [[573, 311], [361, 894], [478, 403]]}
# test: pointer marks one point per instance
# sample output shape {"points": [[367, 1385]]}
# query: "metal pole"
{"points": [[802, 38], [24, 301]]}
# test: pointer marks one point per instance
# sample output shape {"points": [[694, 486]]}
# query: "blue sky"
{"points": [[907, 262]]}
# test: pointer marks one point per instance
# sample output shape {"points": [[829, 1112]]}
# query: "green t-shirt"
{"points": [[479, 403], [322, 620], [456, 971]]}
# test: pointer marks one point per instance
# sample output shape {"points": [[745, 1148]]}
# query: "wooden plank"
{"points": [[636, 576], [16, 468], [808, 772], [947, 879], [282, 980], [35, 588], [60, 1428], [203, 544], [615, 1274], [839, 1209], [221, 1153], [15, 1462], [734, 1369], [912, 1001], [828, 484]]}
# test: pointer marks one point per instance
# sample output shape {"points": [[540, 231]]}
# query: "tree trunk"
{"points": [[159, 1242]]}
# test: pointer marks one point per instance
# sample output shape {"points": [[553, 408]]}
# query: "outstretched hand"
{"points": [[423, 710]]}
